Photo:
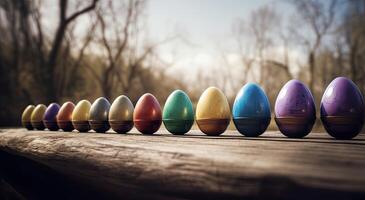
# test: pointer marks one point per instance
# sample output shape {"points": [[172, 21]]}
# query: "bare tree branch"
{"points": [[82, 11]]}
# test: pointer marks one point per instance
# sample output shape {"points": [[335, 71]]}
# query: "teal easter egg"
{"points": [[178, 113]]}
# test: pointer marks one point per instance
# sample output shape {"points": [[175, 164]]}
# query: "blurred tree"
{"points": [[118, 26], [30, 58], [352, 30], [65, 20], [317, 16], [38, 65], [122, 60]]}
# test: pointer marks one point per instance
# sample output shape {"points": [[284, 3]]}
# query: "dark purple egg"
{"points": [[342, 109], [50, 117], [295, 111]]}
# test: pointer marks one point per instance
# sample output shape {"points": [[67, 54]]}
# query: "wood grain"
{"points": [[196, 166]]}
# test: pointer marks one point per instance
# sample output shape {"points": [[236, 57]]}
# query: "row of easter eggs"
{"points": [[342, 112]]}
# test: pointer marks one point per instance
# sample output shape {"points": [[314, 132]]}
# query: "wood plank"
{"points": [[198, 166]]}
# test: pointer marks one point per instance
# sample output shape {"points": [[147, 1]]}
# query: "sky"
{"points": [[205, 20], [205, 25]]}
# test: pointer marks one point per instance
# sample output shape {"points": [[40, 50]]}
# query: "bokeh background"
{"points": [[59, 50]]}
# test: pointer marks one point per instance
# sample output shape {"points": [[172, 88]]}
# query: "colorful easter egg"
{"points": [[178, 113], [212, 112], [295, 111], [80, 116], [36, 118], [27, 113], [251, 110], [50, 117], [64, 116], [121, 114], [147, 115], [342, 109], [99, 112]]}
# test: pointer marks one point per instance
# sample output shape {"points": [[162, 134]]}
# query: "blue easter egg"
{"points": [[251, 110]]}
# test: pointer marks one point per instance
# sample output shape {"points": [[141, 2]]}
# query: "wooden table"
{"points": [[44, 164]]}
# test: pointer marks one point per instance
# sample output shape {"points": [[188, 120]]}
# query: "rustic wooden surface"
{"points": [[196, 166]]}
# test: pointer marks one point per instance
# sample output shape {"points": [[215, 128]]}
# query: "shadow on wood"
{"points": [[22, 178], [58, 165]]}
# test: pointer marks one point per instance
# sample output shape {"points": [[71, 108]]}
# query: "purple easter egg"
{"points": [[50, 117], [342, 109], [295, 111]]}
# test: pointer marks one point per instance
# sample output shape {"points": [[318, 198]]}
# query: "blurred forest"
{"points": [[43, 64]]}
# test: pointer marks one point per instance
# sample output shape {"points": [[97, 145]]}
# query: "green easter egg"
{"points": [[178, 113]]}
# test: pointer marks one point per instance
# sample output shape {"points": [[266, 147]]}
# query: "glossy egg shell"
{"points": [[64, 116], [121, 114], [99, 113], [178, 113], [295, 111], [80, 116], [36, 118], [212, 112], [50, 117], [251, 110], [27, 113], [147, 115], [342, 109]]}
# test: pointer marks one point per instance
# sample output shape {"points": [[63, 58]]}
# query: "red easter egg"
{"points": [[64, 116], [147, 115]]}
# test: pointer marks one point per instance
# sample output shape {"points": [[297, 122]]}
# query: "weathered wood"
{"points": [[198, 166]]}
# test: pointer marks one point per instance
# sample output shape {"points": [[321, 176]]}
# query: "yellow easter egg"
{"points": [[80, 116], [36, 118], [213, 113], [27, 113]]}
